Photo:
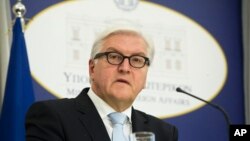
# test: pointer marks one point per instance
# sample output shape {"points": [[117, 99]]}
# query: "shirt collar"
{"points": [[103, 108]]}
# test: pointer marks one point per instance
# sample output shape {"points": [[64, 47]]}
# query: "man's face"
{"points": [[119, 84]]}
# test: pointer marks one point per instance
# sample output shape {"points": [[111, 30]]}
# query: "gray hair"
{"points": [[98, 44]]}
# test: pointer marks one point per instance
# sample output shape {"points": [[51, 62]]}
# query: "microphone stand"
{"points": [[211, 104]]}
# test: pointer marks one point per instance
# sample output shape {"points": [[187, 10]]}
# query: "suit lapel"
{"points": [[90, 118], [140, 121]]}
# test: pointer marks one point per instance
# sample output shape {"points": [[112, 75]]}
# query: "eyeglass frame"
{"points": [[147, 61]]}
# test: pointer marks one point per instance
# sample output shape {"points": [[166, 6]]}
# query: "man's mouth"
{"points": [[122, 81]]}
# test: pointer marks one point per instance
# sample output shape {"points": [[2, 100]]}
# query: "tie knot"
{"points": [[117, 118]]}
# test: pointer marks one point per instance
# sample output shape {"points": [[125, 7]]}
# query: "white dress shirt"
{"points": [[104, 110]]}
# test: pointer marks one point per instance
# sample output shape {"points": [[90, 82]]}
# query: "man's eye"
{"points": [[137, 59], [114, 56]]}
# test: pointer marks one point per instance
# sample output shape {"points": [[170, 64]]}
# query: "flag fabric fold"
{"points": [[19, 93]]}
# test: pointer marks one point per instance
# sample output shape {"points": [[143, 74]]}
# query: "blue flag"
{"points": [[18, 91]]}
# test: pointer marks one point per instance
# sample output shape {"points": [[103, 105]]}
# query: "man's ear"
{"points": [[91, 67]]}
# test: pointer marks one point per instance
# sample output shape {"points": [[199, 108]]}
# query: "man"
{"points": [[117, 68]]}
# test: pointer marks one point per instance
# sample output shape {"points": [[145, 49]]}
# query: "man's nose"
{"points": [[124, 66]]}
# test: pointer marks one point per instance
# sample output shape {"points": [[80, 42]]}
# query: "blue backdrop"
{"points": [[223, 20]]}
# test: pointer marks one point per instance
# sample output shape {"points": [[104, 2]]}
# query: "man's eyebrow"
{"points": [[115, 50], [111, 49]]}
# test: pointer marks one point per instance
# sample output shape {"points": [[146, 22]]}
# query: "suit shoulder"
{"points": [[54, 102], [52, 105]]}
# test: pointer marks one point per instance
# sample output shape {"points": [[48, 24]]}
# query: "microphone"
{"points": [[209, 103]]}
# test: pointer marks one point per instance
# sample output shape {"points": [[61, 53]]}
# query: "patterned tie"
{"points": [[118, 119]]}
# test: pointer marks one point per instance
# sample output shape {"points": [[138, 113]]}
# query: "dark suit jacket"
{"points": [[78, 120]]}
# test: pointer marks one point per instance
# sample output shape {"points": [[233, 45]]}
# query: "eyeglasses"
{"points": [[115, 58]]}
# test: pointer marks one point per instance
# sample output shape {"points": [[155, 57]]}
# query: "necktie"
{"points": [[118, 119]]}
